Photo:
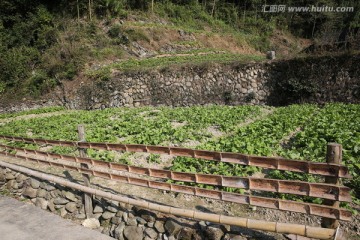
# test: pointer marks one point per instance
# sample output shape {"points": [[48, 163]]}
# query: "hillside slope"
{"points": [[43, 48]]}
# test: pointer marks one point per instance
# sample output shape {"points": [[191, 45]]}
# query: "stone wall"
{"points": [[300, 80], [28, 105], [315, 80], [183, 87], [283, 82], [121, 221]]}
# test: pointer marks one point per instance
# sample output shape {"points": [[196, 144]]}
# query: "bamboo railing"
{"points": [[331, 191], [298, 229], [324, 169]]}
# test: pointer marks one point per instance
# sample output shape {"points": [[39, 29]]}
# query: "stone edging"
{"points": [[121, 221]]}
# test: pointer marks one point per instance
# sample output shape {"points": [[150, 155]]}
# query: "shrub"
{"points": [[260, 43], [114, 31], [136, 35], [2, 87], [66, 58], [101, 75], [40, 83], [249, 97]]}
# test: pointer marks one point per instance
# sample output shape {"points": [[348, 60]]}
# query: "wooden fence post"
{"points": [[333, 155], [86, 178]]}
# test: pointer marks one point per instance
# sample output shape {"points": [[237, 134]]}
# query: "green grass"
{"points": [[252, 39], [193, 43], [163, 62], [202, 51], [107, 53]]}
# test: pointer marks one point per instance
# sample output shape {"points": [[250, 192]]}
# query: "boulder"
{"points": [[63, 212], [70, 196], [133, 233], [159, 226], [60, 201], [91, 223], [41, 193], [115, 220], [131, 222], [107, 215], [21, 178], [42, 203], [187, 233], [214, 233], [140, 220], [119, 213], [146, 215], [49, 187], [172, 227], [51, 206], [9, 176], [80, 216], [151, 233], [30, 192], [12, 184], [233, 237], [112, 209], [71, 207], [34, 183], [98, 209], [118, 232]]}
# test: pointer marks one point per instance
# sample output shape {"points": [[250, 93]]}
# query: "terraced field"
{"points": [[296, 132]]}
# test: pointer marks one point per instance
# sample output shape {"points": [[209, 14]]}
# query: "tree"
{"points": [[78, 10], [90, 9], [213, 8]]}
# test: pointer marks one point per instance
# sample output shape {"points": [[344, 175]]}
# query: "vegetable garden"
{"points": [[297, 132]]}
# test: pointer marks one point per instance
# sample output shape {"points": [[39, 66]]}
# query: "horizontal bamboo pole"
{"points": [[320, 190], [292, 206], [316, 168], [307, 231]]}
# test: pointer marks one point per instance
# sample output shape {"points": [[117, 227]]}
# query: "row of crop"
{"points": [[260, 138], [339, 123], [138, 125], [153, 126], [312, 128], [133, 125]]}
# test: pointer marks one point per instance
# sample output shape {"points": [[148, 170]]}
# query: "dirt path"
{"points": [[285, 142], [188, 54], [31, 116], [217, 134], [265, 112]]}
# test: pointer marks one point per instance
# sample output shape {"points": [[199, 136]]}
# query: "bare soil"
{"points": [[31, 116]]}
